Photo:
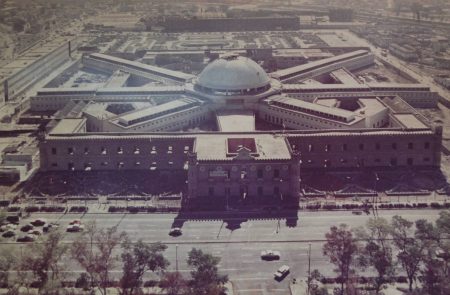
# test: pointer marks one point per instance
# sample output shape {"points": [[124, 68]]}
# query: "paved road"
{"points": [[240, 246]]}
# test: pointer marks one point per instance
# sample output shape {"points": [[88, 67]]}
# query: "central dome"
{"points": [[233, 74]]}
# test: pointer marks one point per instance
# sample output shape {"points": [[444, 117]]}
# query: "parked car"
{"points": [[8, 226], [270, 255], [8, 234], [27, 227], [176, 231], [49, 226], [75, 221], [39, 222], [26, 238], [75, 228], [281, 273], [36, 232]]}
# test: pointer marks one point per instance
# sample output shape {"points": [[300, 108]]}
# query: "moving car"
{"points": [[281, 272], [270, 255], [176, 231]]}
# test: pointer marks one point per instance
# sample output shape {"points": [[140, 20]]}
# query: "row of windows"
{"points": [[361, 146], [119, 150], [309, 111], [279, 121], [361, 162], [243, 174], [243, 191], [118, 165], [160, 114]]}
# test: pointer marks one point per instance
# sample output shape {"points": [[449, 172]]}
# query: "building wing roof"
{"points": [[215, 147]]}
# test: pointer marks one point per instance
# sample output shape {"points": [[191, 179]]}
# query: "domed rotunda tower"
{"points": [[233, 75]]}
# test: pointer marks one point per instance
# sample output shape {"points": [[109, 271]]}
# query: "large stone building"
{"points": [[325, 127]]}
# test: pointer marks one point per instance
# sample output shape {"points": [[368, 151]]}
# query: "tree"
{"points": [[6, 264], [434, 275], [42, 259], [340, 249], [410, 250], [137, 259], [205, 276], [376, 251], [174, 283], [94, 252]]}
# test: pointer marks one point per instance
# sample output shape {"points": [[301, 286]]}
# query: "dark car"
{"points": [[39, 222], [26, 227], [26, 238], [175, 232], [9, 234]]}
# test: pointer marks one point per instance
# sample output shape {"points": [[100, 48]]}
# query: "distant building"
{"points": [[231, 24], [341, 15], [405, 52]]}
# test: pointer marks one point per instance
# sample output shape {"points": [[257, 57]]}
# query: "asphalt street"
{"points": [[238, 241]]}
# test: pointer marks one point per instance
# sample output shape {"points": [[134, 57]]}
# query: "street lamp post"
{"points": [[176, 257], [309, 268]]}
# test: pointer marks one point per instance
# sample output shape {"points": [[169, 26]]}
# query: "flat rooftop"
{"points": [[69, 126], [210, 147], [236, 121], [410, 121], [281, 74], [344, 77]]}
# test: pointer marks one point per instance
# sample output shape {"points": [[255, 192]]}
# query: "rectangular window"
{"points": [[276, 173], [426, 159], [70, 151], [410, 146], [54, 164], [327, 147], [53, 151], [377, 146], [344, 147], [410, 161], [103, 151], [361, 146], [426, 145], [394, 146], [393, 162], [260, 173], [211, 191], [276, 190], [86, 151], [120, 150]]}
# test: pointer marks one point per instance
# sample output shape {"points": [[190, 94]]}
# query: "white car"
{"points": [[270, 255], [281, 272]]}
